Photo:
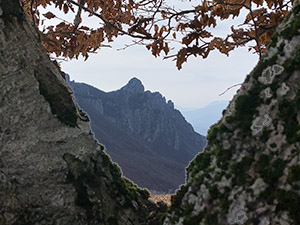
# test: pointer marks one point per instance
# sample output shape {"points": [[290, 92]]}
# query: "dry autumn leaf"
{"points": [[49, 15], [157, 25]]}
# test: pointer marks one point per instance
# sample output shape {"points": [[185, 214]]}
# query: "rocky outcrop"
{"points": [[52, 171], [134, 86], [249, 172], [51, 168], [144, 134], [145, 115]]}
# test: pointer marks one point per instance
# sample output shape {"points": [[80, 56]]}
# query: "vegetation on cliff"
{"points": [[55, 173], [247, 173]]}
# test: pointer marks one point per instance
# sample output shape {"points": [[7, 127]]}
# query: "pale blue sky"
{"points": [[196, 85]]}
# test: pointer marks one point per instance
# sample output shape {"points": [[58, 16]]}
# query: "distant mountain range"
{"points": [[144, 134], [203, 118]]}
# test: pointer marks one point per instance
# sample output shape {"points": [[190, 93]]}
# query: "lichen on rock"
{"points": [[247, 173]]}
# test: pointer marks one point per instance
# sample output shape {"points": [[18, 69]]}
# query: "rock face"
{"points": [[144, 134], [249, 172], [134, 86], [52, 171]]}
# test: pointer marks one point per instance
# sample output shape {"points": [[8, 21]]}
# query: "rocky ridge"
{"points": [[249, 172], [145, 115], [144, 134]]}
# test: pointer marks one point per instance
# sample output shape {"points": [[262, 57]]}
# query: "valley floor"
{"points": [[161, 198]]}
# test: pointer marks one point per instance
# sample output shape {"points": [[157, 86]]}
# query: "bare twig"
{"points": [[78, 16], [156, 11], [130, 45], [256, 30], [110, 24], [32, 13], [60, 32], [230, 88], [56, 58]]}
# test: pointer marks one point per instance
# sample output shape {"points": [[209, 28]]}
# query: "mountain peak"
{"points": [[134, 86]]}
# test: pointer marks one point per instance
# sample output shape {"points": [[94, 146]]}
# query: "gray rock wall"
{"points": [[52, 171], [249, 172]]}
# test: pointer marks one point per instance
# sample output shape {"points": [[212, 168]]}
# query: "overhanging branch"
{"points": [[110, 24]]}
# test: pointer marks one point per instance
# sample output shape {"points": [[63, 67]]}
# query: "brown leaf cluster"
{"points": [[158, 26], [71, 39], [259, 25]]}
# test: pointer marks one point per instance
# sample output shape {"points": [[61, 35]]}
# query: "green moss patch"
{"points": [[214, 130], [270, 172], [130, 190], [201, 162], [89, 175], [288, 111], [193, 219], [292, 64], [214, 192], [211, 219], [289, 201], [239, 170], [212, 133], [245, 109], [263, 64], [176, 199], [286, 201], [293, 28], [273, 41], [223, 157], [225, 202], [273, 145], [294, 174], [262, 162]]}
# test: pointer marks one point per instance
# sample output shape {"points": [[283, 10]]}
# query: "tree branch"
{"points": [[256, 30], [230, 88], [78, 16], [110, 24]]}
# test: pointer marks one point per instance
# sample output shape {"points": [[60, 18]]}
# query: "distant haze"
{"points": [[198, 83], [144, 134], [202, 118]]}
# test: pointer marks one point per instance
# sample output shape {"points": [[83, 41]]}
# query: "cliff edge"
{"points": [[142, 132], [52, 171], [249, 172]]}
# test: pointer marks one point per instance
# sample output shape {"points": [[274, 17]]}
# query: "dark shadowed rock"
{"points": [[52, 171]]}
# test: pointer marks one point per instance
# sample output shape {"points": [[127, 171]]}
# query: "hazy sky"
{"points": [[198, 83]]}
